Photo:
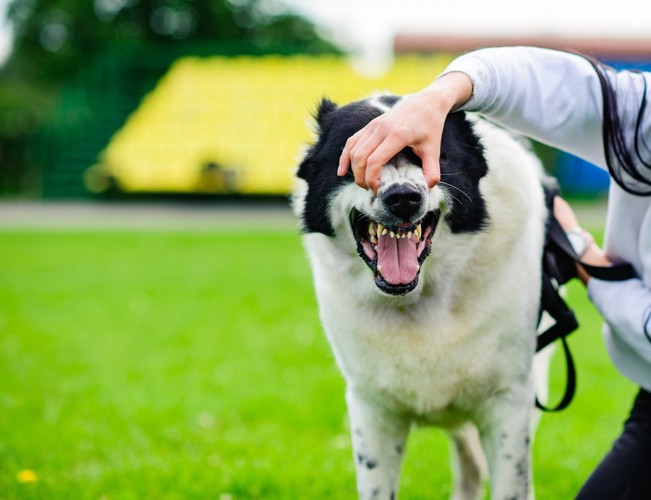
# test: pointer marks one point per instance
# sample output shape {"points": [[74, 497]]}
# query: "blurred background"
{"points": [[159, 334], [212, 97]]}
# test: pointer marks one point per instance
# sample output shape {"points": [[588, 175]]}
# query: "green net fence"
{"points": [[202, 119]]}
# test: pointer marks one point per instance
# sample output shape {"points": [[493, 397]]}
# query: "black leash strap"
{"points": [[564, 323], [558, 267]]}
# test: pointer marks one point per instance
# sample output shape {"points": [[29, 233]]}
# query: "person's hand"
{"points": [[594, 255], [417, 121]]}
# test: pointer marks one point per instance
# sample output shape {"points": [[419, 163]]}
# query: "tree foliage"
{"points": [[54, 39]]}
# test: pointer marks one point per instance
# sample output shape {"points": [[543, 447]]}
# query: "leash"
{"points": [[558, 267]]}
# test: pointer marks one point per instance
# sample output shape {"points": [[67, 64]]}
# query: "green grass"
{"points": [[165, 364]]}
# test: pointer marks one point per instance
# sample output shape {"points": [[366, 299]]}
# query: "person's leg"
{"points": [[625, 472]]}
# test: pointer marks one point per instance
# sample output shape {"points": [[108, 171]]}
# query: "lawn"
{"points": [[191, 364]]}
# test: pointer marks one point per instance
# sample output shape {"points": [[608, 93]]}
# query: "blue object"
{"points": [[578, 177]]}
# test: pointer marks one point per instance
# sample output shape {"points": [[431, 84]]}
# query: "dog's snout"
{"points": [[402, 200]]}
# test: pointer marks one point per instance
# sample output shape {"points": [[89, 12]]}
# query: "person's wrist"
{"points": [[580, 239], [592, 255], [450, 90], [595, 256], [457, 87]]}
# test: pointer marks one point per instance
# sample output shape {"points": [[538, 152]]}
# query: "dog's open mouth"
{"points": [[394, 254]]}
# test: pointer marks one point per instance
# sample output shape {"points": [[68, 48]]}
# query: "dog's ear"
{"points": [[326, 107]]}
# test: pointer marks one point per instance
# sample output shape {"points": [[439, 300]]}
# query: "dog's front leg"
{"points": [[379, 437], [506, 438]]}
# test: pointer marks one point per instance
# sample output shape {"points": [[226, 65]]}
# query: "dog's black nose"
{"points": [[402, 200]]}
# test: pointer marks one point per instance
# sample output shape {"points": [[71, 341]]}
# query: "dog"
{"points": [[430, 298]]}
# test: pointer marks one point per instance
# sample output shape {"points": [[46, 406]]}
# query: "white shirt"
{"points": [[555, 98]]}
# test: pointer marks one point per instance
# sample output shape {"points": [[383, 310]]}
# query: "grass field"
{"points": [[191, 364]]}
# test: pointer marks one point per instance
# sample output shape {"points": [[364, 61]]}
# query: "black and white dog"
{"points": [[430, 298]]}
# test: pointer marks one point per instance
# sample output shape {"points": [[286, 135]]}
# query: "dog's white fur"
{"points": [[457, 351]]}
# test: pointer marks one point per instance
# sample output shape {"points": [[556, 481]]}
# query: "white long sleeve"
{"points": [[555, 98], [632, 322]]}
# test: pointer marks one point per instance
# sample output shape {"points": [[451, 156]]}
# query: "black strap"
{"points": [[570, 385], [559, 266], [565, 323], [558, 239], [565, 320]]}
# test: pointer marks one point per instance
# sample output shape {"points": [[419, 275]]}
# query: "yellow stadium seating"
{"points": [[220, 124]]}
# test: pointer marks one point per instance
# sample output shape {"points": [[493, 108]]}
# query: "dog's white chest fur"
{"points": [[439, 356], [457, 348]]}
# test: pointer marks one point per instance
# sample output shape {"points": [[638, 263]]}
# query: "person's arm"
{"points": [[556, 98], [592, 254], [626, 307], [551, 96]]}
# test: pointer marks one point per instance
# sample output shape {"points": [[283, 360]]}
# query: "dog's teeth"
{"points": [[379, 268], [409, 235], [373, 240], [418, 232], [392, 234], [380, 229], [371, 229], [384, 231]]}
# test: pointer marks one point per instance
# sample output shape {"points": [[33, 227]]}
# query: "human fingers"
{"points": [[359, 171], [353, 156], [383, 146], [362, 156], [429, 154], [344, 158], [410, 124], [431, 169], [356, 153]]}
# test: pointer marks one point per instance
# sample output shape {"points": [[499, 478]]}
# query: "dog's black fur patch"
{"points": [[462, 165], [319, 167]]}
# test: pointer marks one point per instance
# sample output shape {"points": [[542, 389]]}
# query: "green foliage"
{"points": [[159, 364], [22, 110], [55, 40]]}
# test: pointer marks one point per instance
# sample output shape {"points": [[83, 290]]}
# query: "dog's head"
{"points": [[392, 231]]}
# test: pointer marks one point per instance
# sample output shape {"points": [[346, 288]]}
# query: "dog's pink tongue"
{"points": [[397, 259]]}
